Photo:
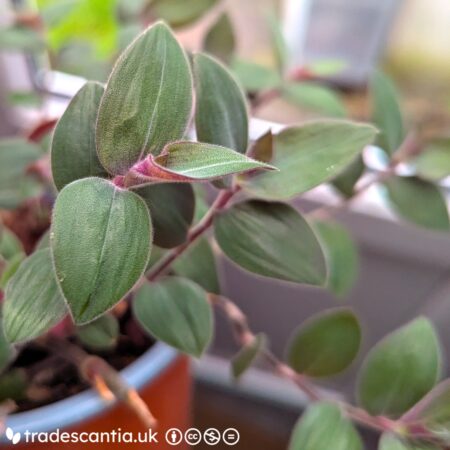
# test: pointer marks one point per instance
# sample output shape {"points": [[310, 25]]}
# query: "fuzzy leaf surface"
{"points": [[74, 154], [176, 312], [195, 161], [199, 265], [10, 245], [220, 41], [386, 113], [345, 182], [172, 207], [308, 155], [325, 344], [433, 411], [147, 101], [100, 334], [271, 239], [323, 427], [434, 162], [33, 302], [100, 240], [419, 202], [341, 255], [221, 112], [400, 369]]}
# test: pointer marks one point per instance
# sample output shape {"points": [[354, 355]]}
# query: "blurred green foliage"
{"points": [[94, 21]]}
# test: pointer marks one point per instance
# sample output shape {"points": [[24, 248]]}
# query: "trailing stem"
{"points": [[219, 204], [245, 336]]}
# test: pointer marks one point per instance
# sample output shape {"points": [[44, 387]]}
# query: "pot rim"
{"points": [[84, 405]]}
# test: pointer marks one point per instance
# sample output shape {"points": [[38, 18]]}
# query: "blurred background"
{"points": [[327, 50]]}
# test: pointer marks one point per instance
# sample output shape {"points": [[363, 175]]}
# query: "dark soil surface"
{"points": [[50, 378]]}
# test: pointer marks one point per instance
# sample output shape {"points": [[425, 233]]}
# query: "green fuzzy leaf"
{"points": [[434, 162], [390, 442], [309, 155], [44, 241], [101, 334], [172, 208], [147, 101], [201, 203], [199, 265], [10, 245], [271, 239], [341, 256], [400, 369], [255, 77], [195, 161], [262, 148], [10, 269], [219, 41], [180, 12], [324, 427], [7, 351], [433, 411], [345, 182], [386, 113], [315, 97], [325, 344], [100, 239], [418, 201], [221, 112], [15, 186], [74, 154], [33, 303], [175, 311], [243, 360]]}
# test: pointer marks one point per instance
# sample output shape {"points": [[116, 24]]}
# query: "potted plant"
{"points": [[127, 255]]}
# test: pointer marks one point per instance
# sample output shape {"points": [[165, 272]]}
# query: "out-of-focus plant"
{"points": [[84, 36], [301, 86], [128, 228]]}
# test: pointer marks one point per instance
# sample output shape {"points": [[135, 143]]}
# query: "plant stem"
{"points": [[166, 261], [244, 336]]}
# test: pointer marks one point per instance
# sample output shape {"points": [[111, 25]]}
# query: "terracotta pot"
{"points": [[162, 377]]}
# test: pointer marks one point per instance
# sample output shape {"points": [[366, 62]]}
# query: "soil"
{"points": [[51, 378], [29, 221]]}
